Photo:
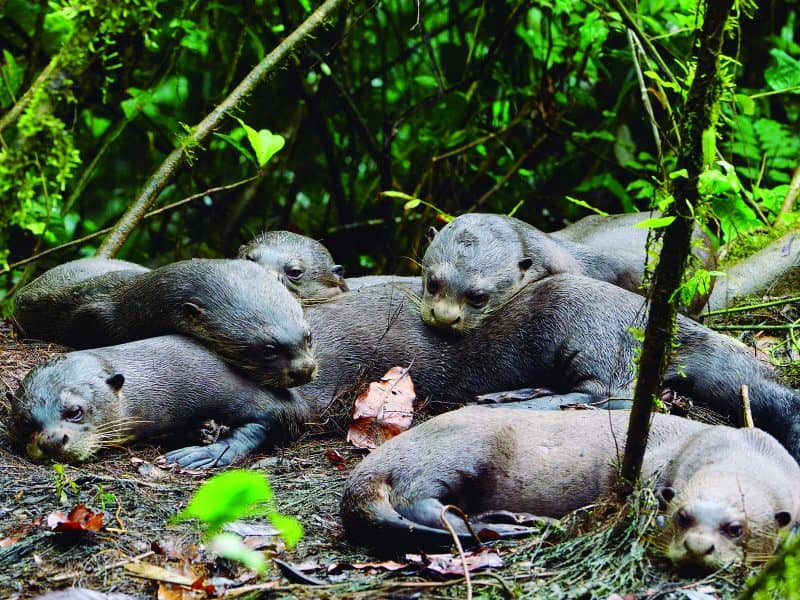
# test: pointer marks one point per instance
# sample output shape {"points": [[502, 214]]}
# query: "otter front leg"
{"points": [[241, 442]]}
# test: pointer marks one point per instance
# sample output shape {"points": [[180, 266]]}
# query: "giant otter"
{"points": [[250, 320], [301, 263], [566, 333], [75, 404], [478, 261], [728, 492]]}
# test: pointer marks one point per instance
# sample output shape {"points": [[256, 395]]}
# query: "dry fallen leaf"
{"points": [[384, 410], [336, 458], [449, 564], [79, 518]]}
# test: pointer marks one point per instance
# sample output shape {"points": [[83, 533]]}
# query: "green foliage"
{"points": [[535, 109], [780, 578], [230, 496], [62, 483]]}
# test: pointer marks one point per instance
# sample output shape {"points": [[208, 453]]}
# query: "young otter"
{"points": [[76, 404], [250, 320], [478, 261], [301, 263], [728, 491]]}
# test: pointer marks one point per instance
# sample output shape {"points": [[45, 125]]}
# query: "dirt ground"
{"points": [[138, 501]]}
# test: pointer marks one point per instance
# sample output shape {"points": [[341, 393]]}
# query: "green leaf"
{"points": [[411, 204], [784, 74], [679, 173], [264, 142], [227, 497], [399, 195], [231, 546], [655, 223], [427, 81], [306, 5], [290, 528], [746, 104]]}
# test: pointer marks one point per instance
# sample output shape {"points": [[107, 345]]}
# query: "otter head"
{"points": [[472, 267], [251, 321], [300, 263], [720, 518], [69, 408]]}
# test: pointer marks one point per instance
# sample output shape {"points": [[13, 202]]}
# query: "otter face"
{"points": [[58, 420], [253, 322], [300, 263], [726, 521]]}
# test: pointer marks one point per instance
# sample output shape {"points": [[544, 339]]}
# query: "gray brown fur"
{"points": [[478, 261], [566, 333], [301, 263], [73, 405], [548, 464], [246, 317]]}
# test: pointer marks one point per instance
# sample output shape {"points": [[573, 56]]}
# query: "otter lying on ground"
{"points": [[250, 320], [75, 404], [478, 261], [728, 492]]}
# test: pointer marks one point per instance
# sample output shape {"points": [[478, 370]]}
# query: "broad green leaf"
{"points": [[231, 546], [227, 497], [290, 528], [784, 73], [238, 145], [306, 5], [427, 81], [746, 104], [655, 223], [264, 142]]}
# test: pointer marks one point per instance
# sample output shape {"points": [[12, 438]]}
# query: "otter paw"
{"points": [[202, 457]]}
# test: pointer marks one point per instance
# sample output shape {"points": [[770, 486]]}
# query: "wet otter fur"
{"points": [[478, 261], [301, 263], [567, 334], [728, 492], [74, 405], [250, 320]]}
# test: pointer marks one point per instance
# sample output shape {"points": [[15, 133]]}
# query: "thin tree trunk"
{"points": [[161, 177], [696, 119]]}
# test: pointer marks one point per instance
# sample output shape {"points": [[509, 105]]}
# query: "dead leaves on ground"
{"points": [[384, 410], [78, 519]]}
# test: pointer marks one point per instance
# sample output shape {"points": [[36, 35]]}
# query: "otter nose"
{"points": [[446, 313], [698, 544], [52, 442], [302, 370]]}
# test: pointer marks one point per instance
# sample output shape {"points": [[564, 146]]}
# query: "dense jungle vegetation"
{"points": [[536, 107]]}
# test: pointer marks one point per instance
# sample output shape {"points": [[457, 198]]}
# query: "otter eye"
{"points": [[73, 414], [733, 529], [683, 519], [293, 273], [433, 285], [477, 299], [270, 352]]}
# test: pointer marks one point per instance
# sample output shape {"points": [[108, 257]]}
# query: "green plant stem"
{"points": [[787, 326], [17, 109], [738, 309], [156, 183]]}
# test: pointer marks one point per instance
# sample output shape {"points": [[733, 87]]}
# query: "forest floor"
{"points": [[582, 559]]}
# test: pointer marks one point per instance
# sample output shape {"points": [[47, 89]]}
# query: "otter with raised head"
{"points": [[301, 263], [478, 261], [728, 492], [249, 319], [76, 404]]}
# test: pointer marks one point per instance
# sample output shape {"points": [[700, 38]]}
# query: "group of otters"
{"points": [[503, 306]]}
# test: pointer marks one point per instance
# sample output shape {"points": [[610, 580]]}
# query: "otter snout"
{"points": [[698, 545], [301, 370], [43, 444], [446, 315]]}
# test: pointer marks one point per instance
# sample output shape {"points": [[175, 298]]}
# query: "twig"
{"points": [[15, 111], [514, 168], [443, 517], [152, 213], [789, 326], [636, 51], [744, 407], [791, 195]]}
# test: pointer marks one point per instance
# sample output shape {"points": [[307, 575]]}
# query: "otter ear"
{"points": [[192, 310], [431, 233], [783, 518], [338, 270], [664, 496], [115, 381], [525, 263]]}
